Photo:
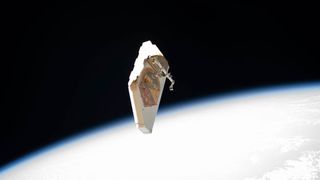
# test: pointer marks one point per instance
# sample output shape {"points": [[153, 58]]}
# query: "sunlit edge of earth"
{"points": [[218, 98]]}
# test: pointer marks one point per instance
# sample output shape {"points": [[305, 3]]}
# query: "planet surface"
{"points": [[262, 134]]}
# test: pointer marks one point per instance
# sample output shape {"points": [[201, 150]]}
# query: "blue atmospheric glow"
{"points": [[222, 97], [61, 143], [203, 101]]}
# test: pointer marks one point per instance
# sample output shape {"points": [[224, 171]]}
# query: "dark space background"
{"points": [[67, 65]]}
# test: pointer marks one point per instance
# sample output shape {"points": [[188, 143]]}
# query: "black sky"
{"points": [[68, 64]]}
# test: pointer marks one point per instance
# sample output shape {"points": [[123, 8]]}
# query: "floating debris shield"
{"points": [[146, 83]]}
